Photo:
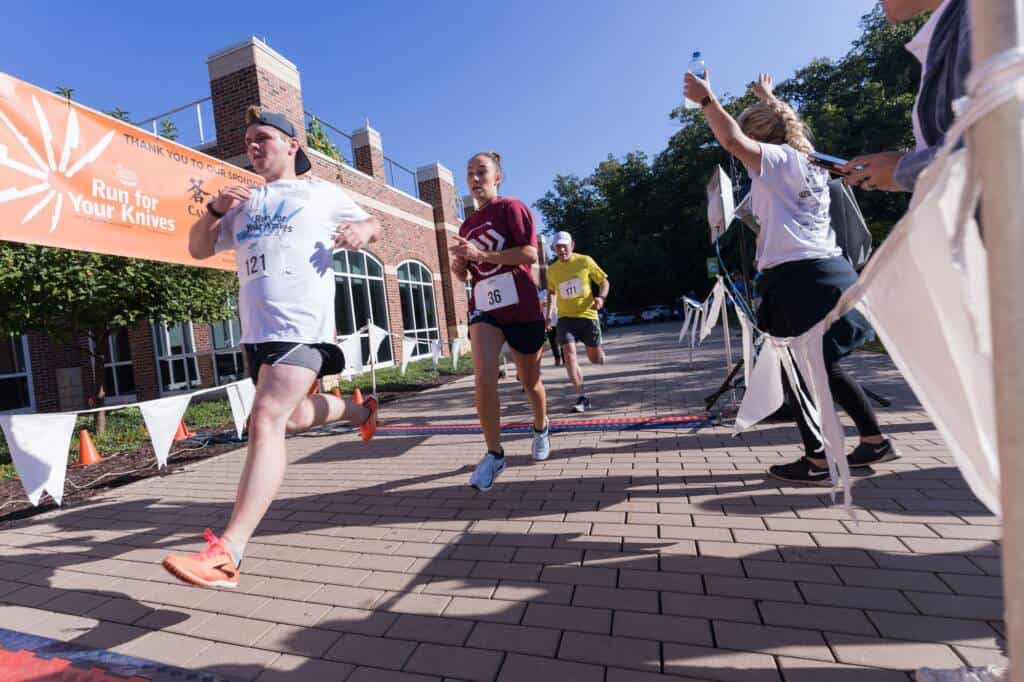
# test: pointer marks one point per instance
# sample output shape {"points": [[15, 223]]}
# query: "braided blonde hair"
{"points": [[773, 121]]}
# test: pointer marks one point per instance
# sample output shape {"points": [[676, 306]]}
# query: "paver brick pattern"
{"points": [[629, 555]]}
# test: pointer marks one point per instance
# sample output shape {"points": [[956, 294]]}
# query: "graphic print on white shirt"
{"points": [[790, 200], [283, 238]]}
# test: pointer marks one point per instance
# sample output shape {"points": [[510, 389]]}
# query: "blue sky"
{"points": [[554, 86]]}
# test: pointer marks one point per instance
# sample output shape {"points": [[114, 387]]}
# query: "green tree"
{"points": [[645, 221], [168, 130], [317, 138], [120, 114], [64, 92], [69, 295]]}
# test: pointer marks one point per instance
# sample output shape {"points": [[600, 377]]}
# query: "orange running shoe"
{"points": [[369, 427], [213, 567]]}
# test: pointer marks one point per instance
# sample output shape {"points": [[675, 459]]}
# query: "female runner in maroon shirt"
{"points": [[495, 249]]}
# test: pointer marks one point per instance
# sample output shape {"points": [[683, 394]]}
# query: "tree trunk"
{"points": [[100, 350]]}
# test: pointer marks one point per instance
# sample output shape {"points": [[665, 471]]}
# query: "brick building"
{"points": [[402, 283]]}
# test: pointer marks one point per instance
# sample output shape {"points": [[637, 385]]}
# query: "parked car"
{"points": [[619, 319], [656, 313]]}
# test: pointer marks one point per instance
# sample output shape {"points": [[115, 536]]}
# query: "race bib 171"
{"points": [[572, 288]]}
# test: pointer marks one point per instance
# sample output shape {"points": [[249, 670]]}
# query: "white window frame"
{"points": [[177, 387], [27, 374], [416, 331], [235, 349], [348, 276], [117, 397]]}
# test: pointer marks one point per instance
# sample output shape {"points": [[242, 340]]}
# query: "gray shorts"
{"points": [[322, 358], [573, 329]]}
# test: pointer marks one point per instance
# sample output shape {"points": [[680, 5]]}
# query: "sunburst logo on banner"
{"points": [[48, 172]]}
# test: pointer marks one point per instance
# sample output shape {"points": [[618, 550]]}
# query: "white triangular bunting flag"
{"points": [[377, 336], [39, 445], [240, 397], [162, 417], [352, 348], [764, 393], [728, 340], [748, 344], [456, 353], [687, 319], [712, 307], [435, 347], [698, 316], [408, 348], [808, 355]]}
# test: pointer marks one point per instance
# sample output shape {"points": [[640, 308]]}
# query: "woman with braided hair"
{"points": [[802, 271]]}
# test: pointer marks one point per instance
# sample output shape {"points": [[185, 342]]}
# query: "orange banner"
{"points": [[74, 178]]}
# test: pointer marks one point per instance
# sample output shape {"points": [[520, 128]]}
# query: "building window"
{"points": [[15, 380], [228, 362], [176, 356], [118, 376], [419, 314], [360, 298]]}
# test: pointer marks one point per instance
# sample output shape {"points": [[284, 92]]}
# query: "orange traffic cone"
{"points": [[87, 453], [336, 392], [357, 396], [182, 433]]}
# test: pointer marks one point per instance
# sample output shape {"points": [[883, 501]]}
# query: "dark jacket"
{"points": [[948, 63]]}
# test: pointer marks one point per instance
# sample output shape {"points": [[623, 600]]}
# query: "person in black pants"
{"points": [[803, 272]]}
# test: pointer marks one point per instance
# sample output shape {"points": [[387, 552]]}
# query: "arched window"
{"points": [[360, 298], [419, 313]]}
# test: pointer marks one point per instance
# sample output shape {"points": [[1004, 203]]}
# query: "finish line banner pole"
{"points": [[75, 178]]}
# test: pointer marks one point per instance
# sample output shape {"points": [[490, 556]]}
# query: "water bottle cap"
{"points": [[696, 55]]}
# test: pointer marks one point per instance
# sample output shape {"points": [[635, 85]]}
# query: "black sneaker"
{"points": [[867, 454], [582, 404], [800, 471]]}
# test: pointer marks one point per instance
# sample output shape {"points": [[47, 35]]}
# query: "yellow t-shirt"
{"points": [[572, 281]]}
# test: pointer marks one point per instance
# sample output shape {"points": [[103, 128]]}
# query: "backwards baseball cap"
{"points": [[279, 121], [563, 238]]}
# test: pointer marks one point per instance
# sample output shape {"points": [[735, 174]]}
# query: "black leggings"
{"points": [[848, 394], [556, 350]]}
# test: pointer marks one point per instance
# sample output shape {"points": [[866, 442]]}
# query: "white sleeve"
{"points": [[344, 209], [773, 159]]}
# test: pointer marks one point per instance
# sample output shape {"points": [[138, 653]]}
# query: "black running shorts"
{"points": [[322, 358], [573, 329], [523, 337]]}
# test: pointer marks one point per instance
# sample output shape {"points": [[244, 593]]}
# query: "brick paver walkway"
{"points": [[626, 556]]}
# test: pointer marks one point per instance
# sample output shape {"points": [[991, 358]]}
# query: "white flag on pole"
{"points": [[162, 417], [39, 445]]}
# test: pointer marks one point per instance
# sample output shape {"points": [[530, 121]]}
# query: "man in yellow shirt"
{"points": [[571, 280]]}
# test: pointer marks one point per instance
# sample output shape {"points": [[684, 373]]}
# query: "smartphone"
{"points": [[831, 163]]}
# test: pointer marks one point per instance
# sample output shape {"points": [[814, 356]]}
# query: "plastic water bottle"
{"points": [[697, 68]]}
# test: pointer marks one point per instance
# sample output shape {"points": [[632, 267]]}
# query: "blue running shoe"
{"points": [[542, 443], [489, 468]]}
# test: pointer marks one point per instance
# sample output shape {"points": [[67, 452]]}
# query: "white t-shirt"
{"points": [[283, 238], [790, 200]]}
